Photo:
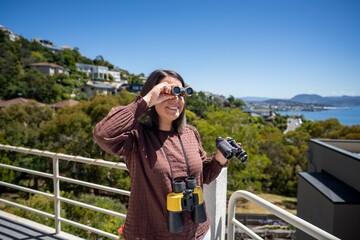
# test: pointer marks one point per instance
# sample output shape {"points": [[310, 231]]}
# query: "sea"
{"points": [[347, 116]]}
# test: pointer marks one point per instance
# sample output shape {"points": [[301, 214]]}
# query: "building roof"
{"points": [[332, 188], [21, 101], [101, 85], [45, 64], [13, 101], [64, 103], [67, 47]]}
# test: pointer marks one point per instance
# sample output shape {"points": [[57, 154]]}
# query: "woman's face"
{"points": [[169, 110]]}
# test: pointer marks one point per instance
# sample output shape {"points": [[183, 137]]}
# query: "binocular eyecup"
{"points": [[229, 148], [186, 196], [187, 91]]}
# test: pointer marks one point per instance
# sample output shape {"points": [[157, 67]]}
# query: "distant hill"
{"points": [[317, 99], [254, 99], [284, 102], [307, 98]]}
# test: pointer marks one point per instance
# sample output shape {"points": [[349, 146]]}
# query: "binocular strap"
{"points": [[168, 159]]}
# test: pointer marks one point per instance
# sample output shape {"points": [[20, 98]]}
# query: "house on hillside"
{"points": [[99, 72], [97, 88], [13, 37], [47, 43], [95, 72], [48, 68], [266, 113], [136, 87], [115, 74]]}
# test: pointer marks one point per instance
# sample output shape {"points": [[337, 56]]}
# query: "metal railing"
{"points": [[55, 176], [286, 216]]}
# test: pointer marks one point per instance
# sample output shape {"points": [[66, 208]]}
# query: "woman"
{"points": [[158, 152]]}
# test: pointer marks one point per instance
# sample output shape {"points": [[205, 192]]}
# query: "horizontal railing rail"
{"points": [[281, 213], [56, 181]]}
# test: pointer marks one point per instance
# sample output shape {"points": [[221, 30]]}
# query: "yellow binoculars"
{"points": [[185, 199]]}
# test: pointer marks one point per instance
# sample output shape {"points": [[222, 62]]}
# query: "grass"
{"points": [[286, 203]]}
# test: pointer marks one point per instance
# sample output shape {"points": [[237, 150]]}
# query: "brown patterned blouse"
{"points": [[120, 133]]}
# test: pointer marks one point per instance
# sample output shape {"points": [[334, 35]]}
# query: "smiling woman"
{"points": [[167, 163]]}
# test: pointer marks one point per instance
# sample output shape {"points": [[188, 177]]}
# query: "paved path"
{"points": [[13, 227], [292, 124]]}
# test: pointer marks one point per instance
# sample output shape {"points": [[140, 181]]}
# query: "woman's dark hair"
{"points": [[155, 78]]}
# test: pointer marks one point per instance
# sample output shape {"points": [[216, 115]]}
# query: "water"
{"points": [[348, 117]]}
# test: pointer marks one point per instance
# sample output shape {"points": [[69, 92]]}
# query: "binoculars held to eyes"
{"points": [[187, 91], [229, 148], [185, 199]]}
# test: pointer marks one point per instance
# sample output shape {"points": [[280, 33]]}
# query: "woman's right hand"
{"points": [[158, 94]]}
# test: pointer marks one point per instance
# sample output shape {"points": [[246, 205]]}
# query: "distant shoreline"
{"points": [[325, 108], [347, 116]]}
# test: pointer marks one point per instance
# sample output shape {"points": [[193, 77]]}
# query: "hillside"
{"points": [[19, 77], [317, 99]]}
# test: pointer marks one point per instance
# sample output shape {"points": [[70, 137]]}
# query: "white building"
{"points": [[47, 43], [97, 88], [115, 75], [93, 71], [13, 37], [48, 68]]}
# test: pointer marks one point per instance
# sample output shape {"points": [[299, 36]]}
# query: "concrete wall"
{"points": [[313, 207], [339, 162], [347, 221], [215, 199]]}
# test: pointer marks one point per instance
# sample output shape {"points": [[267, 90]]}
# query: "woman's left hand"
{"points": [[220, 158]]}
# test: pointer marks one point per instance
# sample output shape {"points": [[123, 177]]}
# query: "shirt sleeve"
{"points": [[115, 133]]}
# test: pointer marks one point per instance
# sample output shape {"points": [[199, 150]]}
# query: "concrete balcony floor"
{"points": [[13, 227]]}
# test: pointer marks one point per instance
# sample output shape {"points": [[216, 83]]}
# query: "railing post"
{"points": [[215, 198], [231, 216], [56, 182]]}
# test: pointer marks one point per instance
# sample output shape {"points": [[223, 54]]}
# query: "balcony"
{"points": [[12, 227]]}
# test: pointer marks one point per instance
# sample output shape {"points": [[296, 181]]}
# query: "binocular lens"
{"points": [[182, 91], [176, 90], [178, 186], [242, 156], [189, 91], [190, 182]]}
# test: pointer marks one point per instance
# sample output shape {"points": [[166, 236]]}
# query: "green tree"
{"points": [[20, 124], [69, 59], [100, 61], [6, 175], [10, 66], [135, 79], [233, 123], [235, 102], [42, 88], [350, 132], [198, 103]]}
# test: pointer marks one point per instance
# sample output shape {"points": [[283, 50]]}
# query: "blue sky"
{"points": [[261, 48]]}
